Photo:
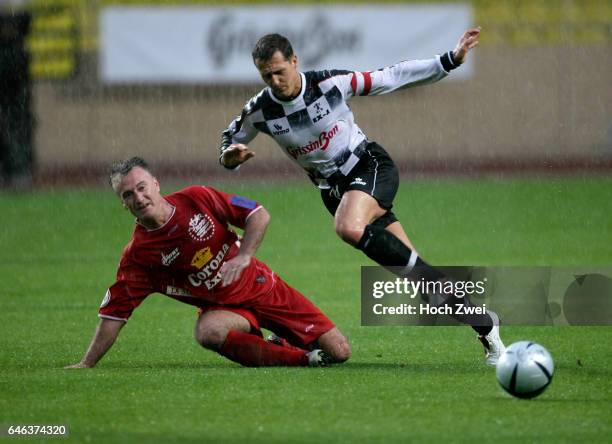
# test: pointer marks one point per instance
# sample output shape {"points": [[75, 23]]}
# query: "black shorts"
{"points": [[374, 174]]}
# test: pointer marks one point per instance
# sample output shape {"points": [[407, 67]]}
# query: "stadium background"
{"points": [[538, 107], [540, 99]]}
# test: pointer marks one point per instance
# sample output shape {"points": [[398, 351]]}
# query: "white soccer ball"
{"points": [[525, 369]]}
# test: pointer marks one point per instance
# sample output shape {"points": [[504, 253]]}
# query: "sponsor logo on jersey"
{"points": [[321, 143], [308, 328], [321, 112], [106, 299], [201, 258], [201, 227], [167, 259], [358, 181], [176, 291], [279, 129], [208, 275]]}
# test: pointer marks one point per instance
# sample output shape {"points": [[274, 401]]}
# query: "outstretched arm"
{"points": [[254, 231], [408, 73], [104, 337]]}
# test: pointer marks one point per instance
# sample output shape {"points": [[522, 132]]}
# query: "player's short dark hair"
{"points": [[267, 45], [121, 168]]}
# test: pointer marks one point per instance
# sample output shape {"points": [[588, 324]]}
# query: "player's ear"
{"points": [[123, 204], [294, 60]]}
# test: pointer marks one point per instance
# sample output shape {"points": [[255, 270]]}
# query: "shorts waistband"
{"points": [[350, 157]]}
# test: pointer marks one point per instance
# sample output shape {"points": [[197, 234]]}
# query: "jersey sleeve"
{"points": [[404, 74], [240, 130], [132, 287], [229, 208]]}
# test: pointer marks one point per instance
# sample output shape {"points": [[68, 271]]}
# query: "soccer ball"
{"points": [[525, 369]]}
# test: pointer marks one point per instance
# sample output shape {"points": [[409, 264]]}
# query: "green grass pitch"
{"points": [[59, 250]]}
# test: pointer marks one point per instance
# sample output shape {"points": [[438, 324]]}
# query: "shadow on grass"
{"points": [[414, 367], [165, 366], [582, 370], [347, 367], [551, 399]]}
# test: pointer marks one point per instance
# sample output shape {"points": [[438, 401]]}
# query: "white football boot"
{"points": [[318, 358], [493, 345]]}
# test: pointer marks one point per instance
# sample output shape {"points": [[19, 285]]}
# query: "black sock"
{"points": [[386, 249]]}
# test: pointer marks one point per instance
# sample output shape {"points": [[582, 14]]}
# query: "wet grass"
{"points": [[60, 250]]}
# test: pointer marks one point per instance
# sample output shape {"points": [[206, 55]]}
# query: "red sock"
{"points": [[284, 343], [252, 351]]}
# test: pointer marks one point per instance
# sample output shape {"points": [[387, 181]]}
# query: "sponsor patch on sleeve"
{"points": [[106, 300], [243, 202]]}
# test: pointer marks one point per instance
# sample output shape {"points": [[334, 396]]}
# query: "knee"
{"points": [[211, 337], [349, 232], [335, 344], [341, 352]]}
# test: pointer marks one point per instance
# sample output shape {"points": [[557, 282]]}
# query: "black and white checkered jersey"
{"points": [[317, 128]]}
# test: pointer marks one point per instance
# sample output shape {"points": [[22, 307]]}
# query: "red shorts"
{"points": [[285, 311]]}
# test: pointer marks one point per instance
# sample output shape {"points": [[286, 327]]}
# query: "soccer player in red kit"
{"points": [[183, 247]]}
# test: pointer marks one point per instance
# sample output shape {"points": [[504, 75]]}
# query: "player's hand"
{"points": [[236, 154], [232, 269], [78, 365], [468, 40]]}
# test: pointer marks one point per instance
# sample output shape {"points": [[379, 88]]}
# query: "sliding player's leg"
{"points": [[291, 316], [235, 334]]}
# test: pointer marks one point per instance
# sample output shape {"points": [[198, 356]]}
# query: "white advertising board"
{"points": [[213, 44]]}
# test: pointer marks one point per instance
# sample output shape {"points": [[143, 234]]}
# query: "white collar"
{"points": [[292, 101]]}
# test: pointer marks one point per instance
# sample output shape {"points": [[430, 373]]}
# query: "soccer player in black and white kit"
{"points": [[307, 114]]}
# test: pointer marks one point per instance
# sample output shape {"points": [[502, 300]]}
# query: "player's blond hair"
{"points": [[121, 168]]}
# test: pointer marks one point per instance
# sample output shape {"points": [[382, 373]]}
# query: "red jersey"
{"points": [[182, 258]]}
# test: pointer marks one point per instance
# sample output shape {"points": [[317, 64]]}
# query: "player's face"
{"points": [[281, 75], [140, 193]]}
